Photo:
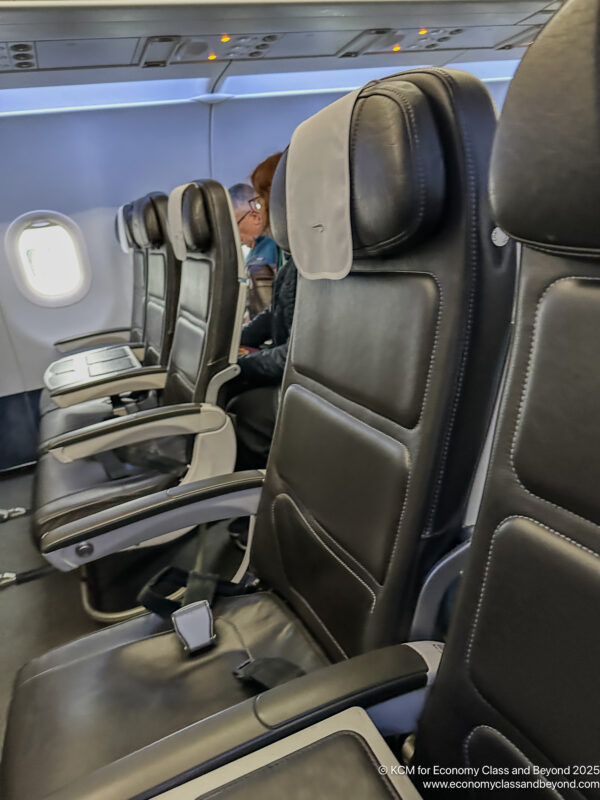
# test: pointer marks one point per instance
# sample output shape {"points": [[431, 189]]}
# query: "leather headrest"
{"points": [[148, 220], [277, 209], [195, 222], [396, 168], [545, 172], [123, 229], [397, 174]]}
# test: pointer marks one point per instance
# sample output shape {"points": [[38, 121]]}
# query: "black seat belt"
{"points": [[201, 589], [268, 672], [198, 586]]}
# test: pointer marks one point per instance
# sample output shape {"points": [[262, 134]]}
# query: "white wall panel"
{"points": [[247, 130], [84, 165]]}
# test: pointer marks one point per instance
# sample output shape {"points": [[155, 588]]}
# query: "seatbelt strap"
{"points": [[113, 466], [154, 595], [267, 672], [198, 586]]}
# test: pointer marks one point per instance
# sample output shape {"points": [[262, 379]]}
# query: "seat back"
{"points": [[124, 234], [162, 270], [517, 686], [390, 377], [211, 297]]}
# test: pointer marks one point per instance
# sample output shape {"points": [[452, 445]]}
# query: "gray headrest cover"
{"points": [[175, 221], [318, 192], [124, 240]]}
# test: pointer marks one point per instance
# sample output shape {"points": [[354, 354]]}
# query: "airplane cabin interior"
{"points": [[299, 388]]}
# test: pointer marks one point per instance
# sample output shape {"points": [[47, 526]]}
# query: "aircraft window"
{"points": [[48, 256]]}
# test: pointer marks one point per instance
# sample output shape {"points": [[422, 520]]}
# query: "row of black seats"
{"points": [[127, 419], [369, 477]]}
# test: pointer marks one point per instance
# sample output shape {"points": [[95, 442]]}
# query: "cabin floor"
{"points": [[36, 616]]}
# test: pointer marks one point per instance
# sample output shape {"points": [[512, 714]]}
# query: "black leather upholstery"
{"points": [[149, 223], [208, 294], [138, 304], [397, 171], [156, 274], [518, 679], [384, 411], [135, 685], [340, 766], [195, 219], [559, 208], [397, 199], [201, 343], [148, 220]]}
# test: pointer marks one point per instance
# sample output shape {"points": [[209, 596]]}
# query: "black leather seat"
{"points": [[204, 336], [156, 281], [518, 681], [387, 396]]}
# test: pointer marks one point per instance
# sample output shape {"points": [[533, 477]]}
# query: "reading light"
{"points": [[396, 48], [423, 31], [225, 38], [212, 56]]}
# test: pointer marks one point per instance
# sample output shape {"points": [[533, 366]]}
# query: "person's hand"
{"points": [[245, 351]]}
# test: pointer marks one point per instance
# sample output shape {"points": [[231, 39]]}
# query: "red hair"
{"points": [[262, 178]]}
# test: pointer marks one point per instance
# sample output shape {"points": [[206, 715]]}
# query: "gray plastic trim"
{"points": [[96, 339], [433, 590], [233, 504], [400, 715]]}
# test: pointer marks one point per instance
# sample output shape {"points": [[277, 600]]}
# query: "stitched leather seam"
{"points": [[332, 638], [413, 137], [473, 194], [306, 749], [434, 348], [299, 627], [519, 418], [404, 504], [508, 741], [329, 549], [484, 584]]}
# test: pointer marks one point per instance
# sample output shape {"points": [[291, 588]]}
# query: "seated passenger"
{"points": [[256, 389], [264, 257]]}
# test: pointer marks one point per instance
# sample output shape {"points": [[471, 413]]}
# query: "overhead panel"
{"points": [[251, 46], [488, 27], [77, 53], [425, 39]]}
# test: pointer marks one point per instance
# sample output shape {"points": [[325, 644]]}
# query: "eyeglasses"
{"points": [[255, 204]]}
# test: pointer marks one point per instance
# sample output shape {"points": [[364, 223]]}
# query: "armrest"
{"points": [[93, 339], [182, 418], [75, 543], [391, 672], [138, 379]]}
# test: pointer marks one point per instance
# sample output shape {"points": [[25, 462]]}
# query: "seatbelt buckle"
{"points": [[193, 625]]}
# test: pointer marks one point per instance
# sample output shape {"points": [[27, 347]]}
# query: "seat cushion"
{"points": [[55, 421], [64, 492], [111, 693]]}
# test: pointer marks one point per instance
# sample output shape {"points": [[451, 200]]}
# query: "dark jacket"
{"points": [[275, 323]]}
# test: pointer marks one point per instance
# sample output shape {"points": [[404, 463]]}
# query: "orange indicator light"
{"points": [[225, 38], [396, 48], [423, 31], [212, 56]]}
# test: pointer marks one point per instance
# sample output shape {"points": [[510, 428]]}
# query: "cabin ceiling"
{"points": [[67, 43]]}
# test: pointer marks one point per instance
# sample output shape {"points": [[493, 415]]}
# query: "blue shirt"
{"points": [[264, 253]]}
